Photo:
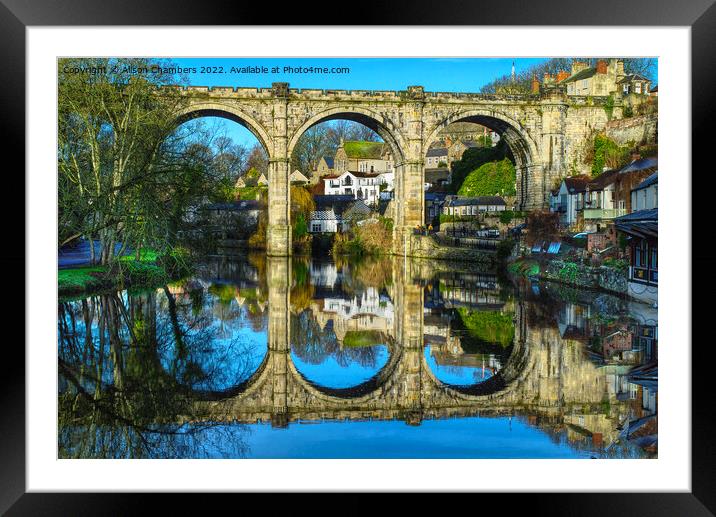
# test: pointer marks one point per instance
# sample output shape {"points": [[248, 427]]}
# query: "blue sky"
{"points": [[435, 74]]}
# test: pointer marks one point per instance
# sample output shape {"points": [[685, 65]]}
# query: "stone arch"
{"points": [[504, 383], [216, 109], [243, 389], [381, 125], [523, 147], [361, 393]]}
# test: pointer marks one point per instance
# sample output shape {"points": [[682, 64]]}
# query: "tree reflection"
{"points": [[129, 376]]}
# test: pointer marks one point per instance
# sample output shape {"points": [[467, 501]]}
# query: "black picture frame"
{"points": [[700, 15]]}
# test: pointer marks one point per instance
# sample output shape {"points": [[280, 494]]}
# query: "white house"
{"points": [[570, 198], [335, 213], [360, 185], [326, 221]]}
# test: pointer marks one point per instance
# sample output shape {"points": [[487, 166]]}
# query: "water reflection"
{"points": [[200, 368]]}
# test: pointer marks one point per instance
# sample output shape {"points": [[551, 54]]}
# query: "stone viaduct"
{"points": [[545, 132], [543, 374]]}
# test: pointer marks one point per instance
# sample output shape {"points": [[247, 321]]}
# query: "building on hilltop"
{"points": [[634, 84], [599, 80], [324, 168], [363, 157]]}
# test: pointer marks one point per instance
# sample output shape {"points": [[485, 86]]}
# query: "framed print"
{"points": [[360, 258]]}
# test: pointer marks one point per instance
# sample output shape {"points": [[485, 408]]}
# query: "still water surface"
{"points": [[257, 357]]}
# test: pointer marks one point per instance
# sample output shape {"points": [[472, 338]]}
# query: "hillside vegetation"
{"points": [[493, 178]]}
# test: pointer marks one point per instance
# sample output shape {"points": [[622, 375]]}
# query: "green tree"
{"points": [[111, 129], [605, 153]]}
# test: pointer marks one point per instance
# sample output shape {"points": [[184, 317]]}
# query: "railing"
{"points": [[603, 213], [466, 242]]}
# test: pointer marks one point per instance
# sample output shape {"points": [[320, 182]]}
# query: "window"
{"points": [[644, 263], [316, 227], [637, 88]]}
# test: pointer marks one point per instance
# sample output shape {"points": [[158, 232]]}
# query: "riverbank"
{"points": [[149, 271], [611, 279]]}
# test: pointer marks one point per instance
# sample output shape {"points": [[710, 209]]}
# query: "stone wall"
{"points": [[589, 277], [422, 246], [480, 223], [634, 129]]}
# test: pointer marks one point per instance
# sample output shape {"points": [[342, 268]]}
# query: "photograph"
{"points": [[358, 257]]}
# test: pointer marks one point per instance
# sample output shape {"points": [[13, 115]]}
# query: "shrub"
{"points": [[615, 263], [542, 226], [569, 272], [605, 152]]}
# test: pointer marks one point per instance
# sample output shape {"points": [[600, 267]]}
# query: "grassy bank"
{"points": [[150, 270]]}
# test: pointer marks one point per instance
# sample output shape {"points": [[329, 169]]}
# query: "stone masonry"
{"points": [[545, 132]]}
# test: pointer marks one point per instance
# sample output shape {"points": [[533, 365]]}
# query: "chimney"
{"points": [[620, 68], [601, 66], [635, 155], [535, 84], [448, 142], [562, 75], [578, 66]]}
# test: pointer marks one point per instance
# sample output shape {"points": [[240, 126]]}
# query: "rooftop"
{"points": [[648, 182], [576, 184], [605, 179], [437, 151], [582, 74], [632, 77], [642, 223], [641, 164], [326, 201], [480, 200]]}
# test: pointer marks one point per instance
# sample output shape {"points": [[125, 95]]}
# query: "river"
{"points": [[257, 357]]}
